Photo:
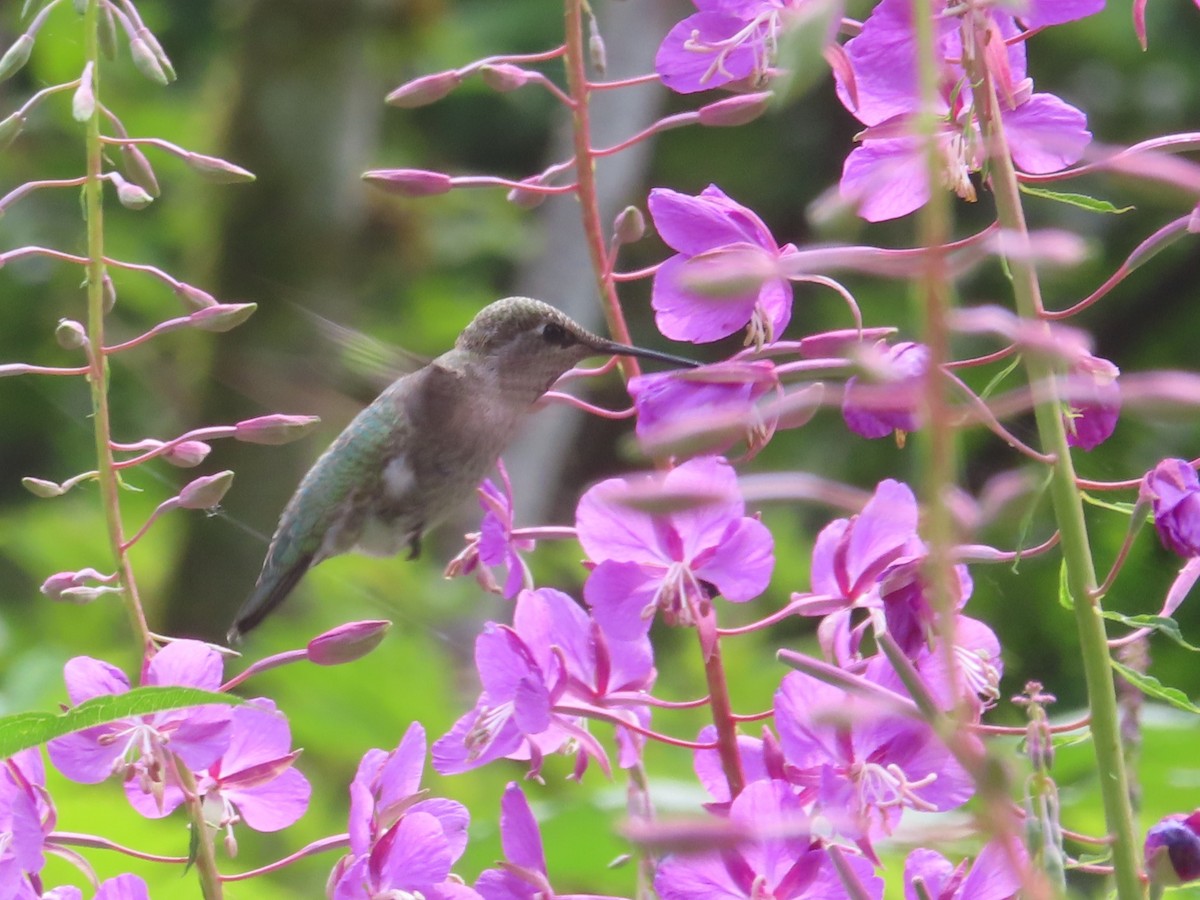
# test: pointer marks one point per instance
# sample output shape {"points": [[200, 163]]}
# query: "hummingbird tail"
{"points": [[268, 594]]}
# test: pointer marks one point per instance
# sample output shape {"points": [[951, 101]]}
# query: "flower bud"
{"points": [[83, 103], [629, 226], [70, 334], [206, 491], [194, 297], [40, 487], [222, 317], [146, 62], [159, 54], [525, 199], [736, 110], [596, 50], [425, 90], [84, 594], [10, 128], [504, 77], [217, 170], [274, 429], [347, 643], [137, 169], [409, 182], [187, 454], [1172, 850], [108, 293], [131, 196], [53, 586], [108, 32], [16, 56]]}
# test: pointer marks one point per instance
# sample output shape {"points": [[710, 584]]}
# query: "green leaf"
{"points": [[1152, 687], [1083, 201], [24, 730], [1065, 600], [1162, 624], [999, 377]]}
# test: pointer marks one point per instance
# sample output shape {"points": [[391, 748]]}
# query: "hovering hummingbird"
{"points": [[424, 444]]}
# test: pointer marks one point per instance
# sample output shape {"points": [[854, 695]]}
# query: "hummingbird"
{"points": [[423, 445]]}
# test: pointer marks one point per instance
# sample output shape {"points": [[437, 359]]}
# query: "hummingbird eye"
{"points": [[553, 333]]}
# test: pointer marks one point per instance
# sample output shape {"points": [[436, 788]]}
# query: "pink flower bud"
{"points": [[131, 196], [274, 429], [409, 182], [108, 293], [187, 454], [194, 297], [53, 586], [40, 487], [629, 225], [737, 110], [83, 103], [70, 334], [137, 169], [83, 594], [424, 90], [159, 54], [596, 50], [347, 643], [16, 56], [217, 170], [222, 317], [206, 491], [505, 77], [10, 128], [525, 199], [146, 62]]}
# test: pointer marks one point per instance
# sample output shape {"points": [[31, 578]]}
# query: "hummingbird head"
{"points": [[518, 335]]}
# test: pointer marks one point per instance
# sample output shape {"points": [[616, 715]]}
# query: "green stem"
{"points": [[93, 199], [1068, 506], [211, 886], [579, 88]]}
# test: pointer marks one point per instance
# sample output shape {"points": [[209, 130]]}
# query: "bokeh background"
{"points": [[293, 90]]}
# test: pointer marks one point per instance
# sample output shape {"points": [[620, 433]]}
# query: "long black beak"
{"points": [[612, 347]]}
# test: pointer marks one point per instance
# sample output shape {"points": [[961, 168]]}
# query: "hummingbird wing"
{"points": [[326, 515]]}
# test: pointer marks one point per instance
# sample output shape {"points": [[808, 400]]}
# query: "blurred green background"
{"points": [[292, 89]]}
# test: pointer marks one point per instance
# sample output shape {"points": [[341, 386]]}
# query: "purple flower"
{"points": [[725, 41], [25, 819], [762, 760], [887, 176], [554, 658], [712, 407], [890, 403], [494, 544], [253, 781], [1172, 849], [1174, 491], [137, 748], [523, 876], [784, 861], [1095, 402], [398, 841], [990, 877], [706, 225], [869, 764], [646, 562]]}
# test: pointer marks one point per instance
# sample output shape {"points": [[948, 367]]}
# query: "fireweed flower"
{"points": [[648, 562], [1172, 849], [886, 175], [253, 781], [123, 887], [707, 225], [869, 765], [990, 877], [785, 862], [720, 398], [1095, 405], [899, 375], [400, 842], [554, 655], [137, 749], [494, 545], [724, 41], [1174, 492], [26, 817], [523, 876]]}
